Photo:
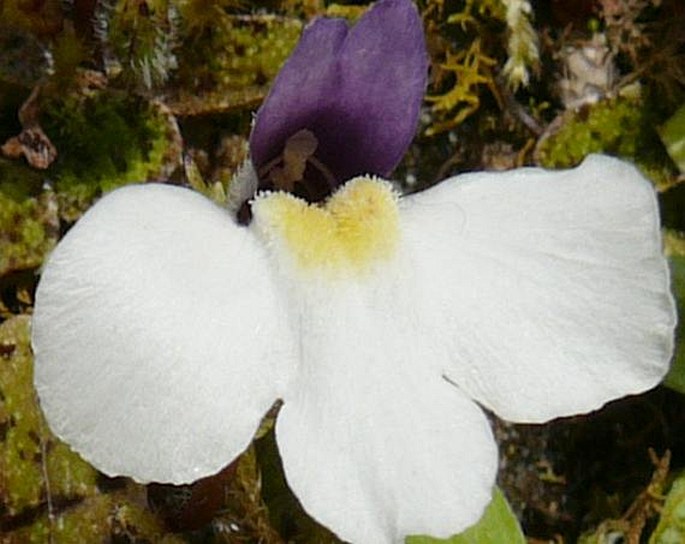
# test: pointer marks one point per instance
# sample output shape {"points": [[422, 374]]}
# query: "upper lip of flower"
{"points": [[357, 91]]}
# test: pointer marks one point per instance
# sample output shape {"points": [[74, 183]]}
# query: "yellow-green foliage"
{"points": [[27, 223], [68, 53], [674, 248], [470, 69], [468, 48], [200, 15], [673, 135], [623, 126], [671, 527], [240, 56], [256, 49], [351, 13], [23, 238], [497, 526], [674, 244], [472, 10], [612, 125]]}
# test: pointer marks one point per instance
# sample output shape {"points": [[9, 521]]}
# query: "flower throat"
{"points": [[355, 228], [297, 170]]}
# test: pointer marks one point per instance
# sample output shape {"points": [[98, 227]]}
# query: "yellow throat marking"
{"points": [[353, 229]]}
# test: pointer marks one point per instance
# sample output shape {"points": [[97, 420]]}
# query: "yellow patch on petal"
{"points": [[353, 229]]}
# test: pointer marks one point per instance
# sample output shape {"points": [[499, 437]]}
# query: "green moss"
{"points": [[351, 13], [84, 523], [98, 518], [104, 141], [256, 50], [27, 222], [613, 125], [23, 240], [240, 56], [622, 126]]}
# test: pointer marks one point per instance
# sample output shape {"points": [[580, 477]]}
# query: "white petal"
{"points": [[158, 339], [548, 288], [376, 444]]}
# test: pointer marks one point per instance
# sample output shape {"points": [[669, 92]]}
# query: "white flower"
{"points": [[163, 331]]}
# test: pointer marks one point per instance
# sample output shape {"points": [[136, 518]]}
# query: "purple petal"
{"points": [[358, 91]]}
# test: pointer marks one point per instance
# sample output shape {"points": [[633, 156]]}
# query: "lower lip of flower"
{"points": [[354, 229]]}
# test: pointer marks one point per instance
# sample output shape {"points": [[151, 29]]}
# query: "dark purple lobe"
{"points": [[357, 90]]}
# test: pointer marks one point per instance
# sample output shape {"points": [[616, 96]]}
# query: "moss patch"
{"points": [[105, 141]]}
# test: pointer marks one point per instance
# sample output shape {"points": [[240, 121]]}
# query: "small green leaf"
{"points": [[673, 136], [671, 527], [675, 379], [497, 526]]}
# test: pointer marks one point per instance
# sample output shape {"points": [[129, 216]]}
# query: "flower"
{"points": [[163, 331]]}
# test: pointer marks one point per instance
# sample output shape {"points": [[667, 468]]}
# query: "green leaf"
{"points": [[497, 526], [673, 136], [671, 527], [675, 379]]}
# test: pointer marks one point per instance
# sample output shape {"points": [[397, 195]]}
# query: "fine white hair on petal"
{"points": [[548, 289], [159, 340], [376, 444]]}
